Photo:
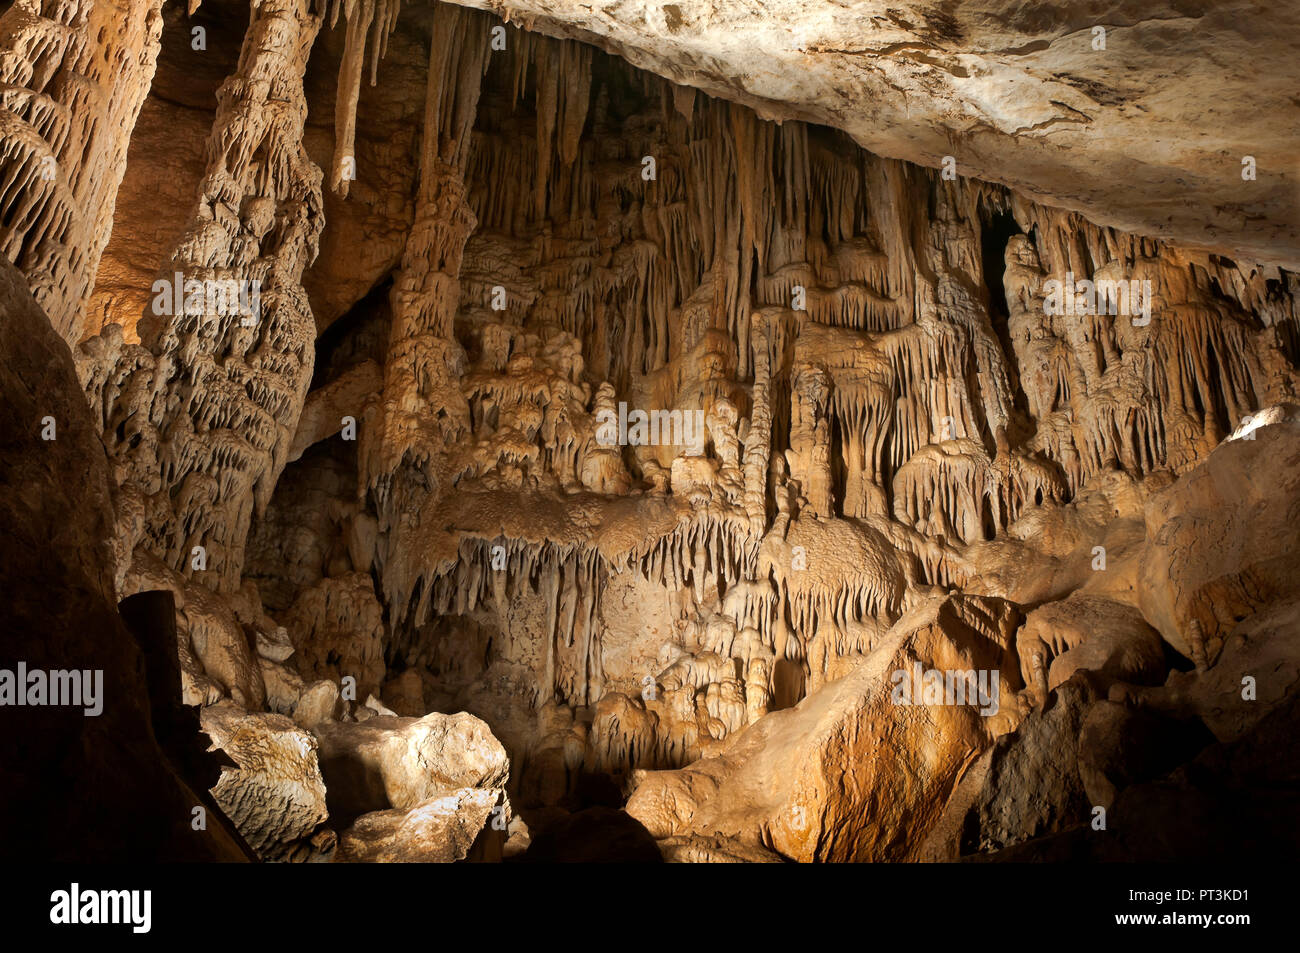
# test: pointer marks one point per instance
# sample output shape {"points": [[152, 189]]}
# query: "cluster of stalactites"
{"points": [[953, 490], [706, 554], [368, 24], [1199, 347], [735, 208], [74, 76], [888, 389], [874, 398], [490, 574]]}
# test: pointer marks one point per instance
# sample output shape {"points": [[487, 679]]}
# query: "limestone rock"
{"points": [[61, 178], [61, 613], [1232, 801], [275, 794], [338, 632], [396, 763], [318, 702], [907, 81], [441, 830], [1245, 492], [1119, 747], [1088, 633], [1032, 785], [845, 774], [284, 686], [697, 849], [274, 646], [1256, 672], [653, 413]]}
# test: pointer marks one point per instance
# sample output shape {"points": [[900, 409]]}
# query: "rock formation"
{"points": [[515, 452]]}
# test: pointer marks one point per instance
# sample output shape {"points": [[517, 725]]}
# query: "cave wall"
{"points": [[396, 471]]}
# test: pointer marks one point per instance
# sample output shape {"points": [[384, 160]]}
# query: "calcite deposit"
{"points": [[589, 435]]}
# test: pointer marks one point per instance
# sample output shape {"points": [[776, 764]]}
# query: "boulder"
{"points": [[389, 763], [1257, 669], [275, 794], [1032, 786], [1120, 746], [318, 702], [1090, 633], [441, 830]]}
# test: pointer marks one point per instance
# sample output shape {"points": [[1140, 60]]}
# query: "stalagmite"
{"points": [[202, 424]]}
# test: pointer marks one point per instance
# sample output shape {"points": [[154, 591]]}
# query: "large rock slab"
{"points": [[848, 774], [1032, 784], [1235, 801], [59, 613], [1257, 670], [1224, 538]]}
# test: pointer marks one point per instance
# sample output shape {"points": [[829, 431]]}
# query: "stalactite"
{"points": [[368, 25], [1131, 391]]}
